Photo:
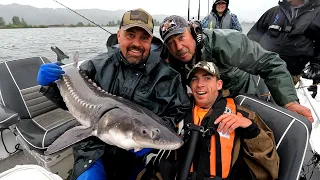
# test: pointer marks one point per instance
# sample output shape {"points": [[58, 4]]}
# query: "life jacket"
{"points": [[282, 20], [214, 151], [225, 22], [278, 23]]}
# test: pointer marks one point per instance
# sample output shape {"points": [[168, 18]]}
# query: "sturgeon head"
{"points": [[112, 119], [129, 129]]}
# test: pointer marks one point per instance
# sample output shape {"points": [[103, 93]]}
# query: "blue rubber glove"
{"points": [[48, 73], [95, 171], [142, 152]]}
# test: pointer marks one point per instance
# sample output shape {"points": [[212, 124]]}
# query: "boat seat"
{"points": [[38, 120], [262, 88], [291, 132], [7, 117]]}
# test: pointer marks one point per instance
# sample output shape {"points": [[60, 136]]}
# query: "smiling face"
{"points": [[182, 46], [134, 44], [205, 87], [221, 7]]}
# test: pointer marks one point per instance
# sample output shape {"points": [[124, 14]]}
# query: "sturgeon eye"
{"points": [[144, 131]]}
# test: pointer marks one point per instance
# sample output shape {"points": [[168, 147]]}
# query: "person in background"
{"points": [[292, 29], [220, 17]]}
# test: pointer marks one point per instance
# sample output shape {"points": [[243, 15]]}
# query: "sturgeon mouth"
{"points": [[163, 141], [161, 145]]}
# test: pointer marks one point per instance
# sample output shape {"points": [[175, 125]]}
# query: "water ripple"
{"points": [[89, 41], [24, 43]]}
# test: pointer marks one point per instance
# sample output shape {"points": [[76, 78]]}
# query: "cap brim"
{"points": [[191, 72], [220, 2], [126, 27], [174, 32]]}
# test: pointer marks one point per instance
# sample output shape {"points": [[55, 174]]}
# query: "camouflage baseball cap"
{"points": [[172, 25], [137, 18], [208, 66]]}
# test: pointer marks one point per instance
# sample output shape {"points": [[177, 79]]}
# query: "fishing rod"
{"points": [[309, 98], [300, 87], [82, 16], [208, 6], [188, 10], [199, 11]]}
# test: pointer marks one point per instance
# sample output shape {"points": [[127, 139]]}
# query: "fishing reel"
{"points": [[197, 34], [313, 165], [196, 31]]}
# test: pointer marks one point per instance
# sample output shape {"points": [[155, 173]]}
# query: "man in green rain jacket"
{"points": [[238, 58]]}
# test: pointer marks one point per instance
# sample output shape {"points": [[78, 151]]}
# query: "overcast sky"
{"points": [[248, 10]]}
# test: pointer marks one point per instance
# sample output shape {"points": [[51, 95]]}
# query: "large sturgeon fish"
{"points": [[113, 119]]}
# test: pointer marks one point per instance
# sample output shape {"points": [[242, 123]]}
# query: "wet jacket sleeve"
{"points": [[235, 24], [232, 48], [205, 21], [261, 26], [90, 67], [260, 152], [53, 94], [176, 100], [313, 33]]}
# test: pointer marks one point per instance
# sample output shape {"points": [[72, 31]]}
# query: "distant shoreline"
{"points": [[71, 26], [47, 26], [6, 27]]}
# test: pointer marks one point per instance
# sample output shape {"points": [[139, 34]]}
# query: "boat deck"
{"points": [[13, 160]]}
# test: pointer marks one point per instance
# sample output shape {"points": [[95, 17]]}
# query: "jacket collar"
{"points": [[308, 5]]}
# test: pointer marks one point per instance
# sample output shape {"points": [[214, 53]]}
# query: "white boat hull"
{"points": [[314, 105]]}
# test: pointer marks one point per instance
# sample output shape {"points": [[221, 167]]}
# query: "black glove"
{"points": [[312, 70]]}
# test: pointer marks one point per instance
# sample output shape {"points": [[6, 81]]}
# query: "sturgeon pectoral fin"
{"points": [[69, 138]]}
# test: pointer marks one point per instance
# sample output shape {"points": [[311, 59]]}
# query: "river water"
{"points": [[33, 42]]}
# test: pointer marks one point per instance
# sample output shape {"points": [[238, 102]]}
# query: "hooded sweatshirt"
{"points": [[226, 21]]}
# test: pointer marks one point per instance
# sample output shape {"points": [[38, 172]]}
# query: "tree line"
{"points": [[17, 23], [114, 23], [21, 23]]}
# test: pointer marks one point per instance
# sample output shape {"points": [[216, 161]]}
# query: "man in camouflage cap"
{"points": [[236, 127], [208, 66]]}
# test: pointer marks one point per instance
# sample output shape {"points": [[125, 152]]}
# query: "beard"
{"points": [[132, 58]]}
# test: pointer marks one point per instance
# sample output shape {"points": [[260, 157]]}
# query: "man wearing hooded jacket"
{"points": [[292, 29], [220, 17]]}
